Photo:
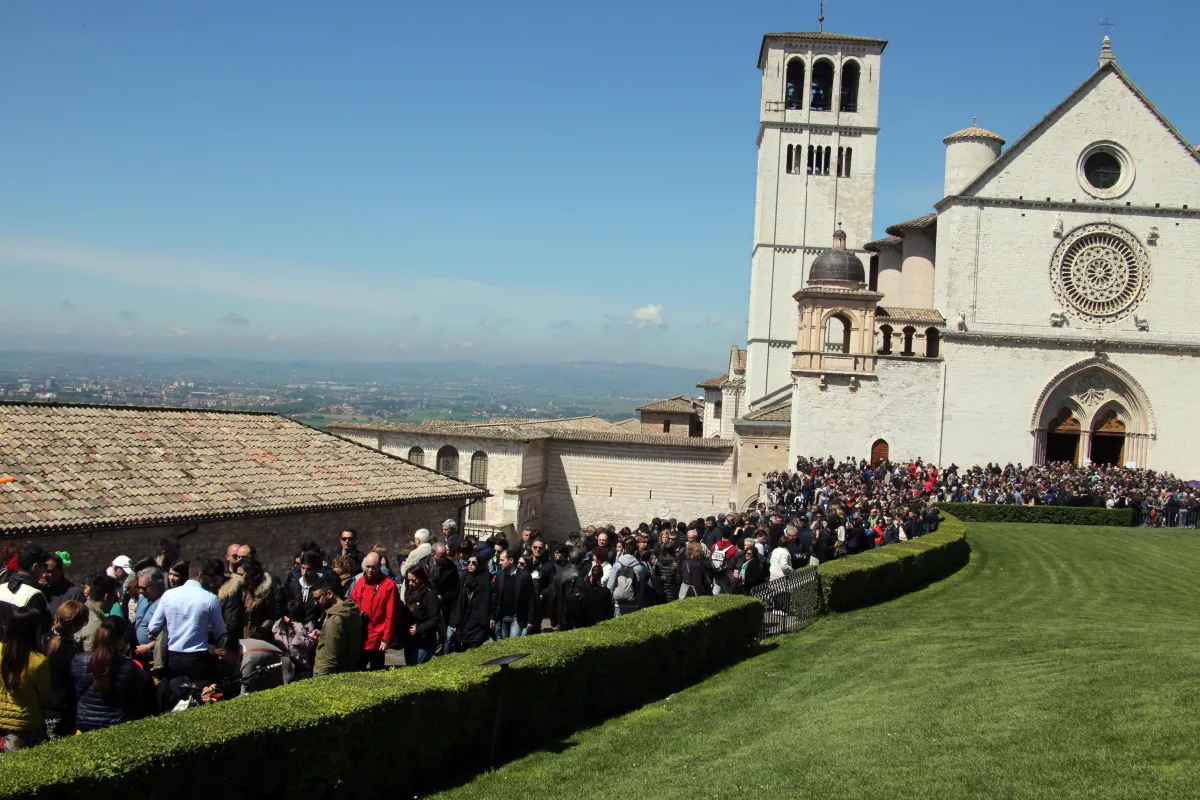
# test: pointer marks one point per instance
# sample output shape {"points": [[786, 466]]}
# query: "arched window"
{"points": [[886, 332], [841, 157], [837, 334], [931, 342], [417, 456], [822, 86], [811, 159], [447, 461], [479, 469], [879, 452], [850, 75], [479, 464], [849, 152], [909, 332], [828, 153], [789, 159], [793, 90]]}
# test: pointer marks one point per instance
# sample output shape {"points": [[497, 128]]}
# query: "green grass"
{"points": [[1062, 662]]}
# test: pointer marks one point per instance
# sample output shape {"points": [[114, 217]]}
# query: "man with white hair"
{"points": [[418, 556], [450, 535]]}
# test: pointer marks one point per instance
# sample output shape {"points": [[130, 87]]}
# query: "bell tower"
{"points": [[817, 127]]}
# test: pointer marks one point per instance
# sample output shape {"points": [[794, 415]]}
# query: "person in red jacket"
{"points": [[376, 596]]}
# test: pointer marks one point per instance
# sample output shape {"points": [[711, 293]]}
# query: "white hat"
{"points": [[124, 562]]}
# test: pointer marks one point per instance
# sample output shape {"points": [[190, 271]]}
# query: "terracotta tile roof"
{"points": [[918, 224], [631, 425], [672, 405], [78, 467], [616, 433], [973, 132], [884, 243], [780, 412], [923, 316], [815, 36], [714, 383]]}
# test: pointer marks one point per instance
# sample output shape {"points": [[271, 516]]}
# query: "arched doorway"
{"points": [[1108, 439], [879, 451], [1062, 439], [1096, 410]]}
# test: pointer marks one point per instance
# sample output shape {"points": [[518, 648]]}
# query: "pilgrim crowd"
{"points": [[164, 634]]}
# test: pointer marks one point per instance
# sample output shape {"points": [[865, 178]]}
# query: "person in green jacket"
{"points": [[341, 635]]}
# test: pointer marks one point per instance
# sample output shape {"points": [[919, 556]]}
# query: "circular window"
{"points": [[1105, 170], [1102, 169], [1100, 272]]}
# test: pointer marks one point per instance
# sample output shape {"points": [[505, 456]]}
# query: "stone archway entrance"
{"points": [[1062, 437], [1095, 412], [879, 452]]}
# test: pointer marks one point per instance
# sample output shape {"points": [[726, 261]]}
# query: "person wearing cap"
{"points": [[119, 570]]}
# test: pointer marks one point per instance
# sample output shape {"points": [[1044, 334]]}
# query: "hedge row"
{"points": [[868, 578], [1055, 515], [409, 729]]}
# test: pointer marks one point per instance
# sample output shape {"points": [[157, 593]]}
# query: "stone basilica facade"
{"points": [[1039, 313]]}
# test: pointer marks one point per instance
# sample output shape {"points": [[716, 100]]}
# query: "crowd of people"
{"points": [[1155, 497], [163, 634]]}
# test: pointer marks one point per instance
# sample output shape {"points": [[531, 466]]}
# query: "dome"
{"points": [[837, 264], [973, 132]]}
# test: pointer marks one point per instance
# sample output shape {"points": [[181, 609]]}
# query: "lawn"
{"points": [[1062, 662]]}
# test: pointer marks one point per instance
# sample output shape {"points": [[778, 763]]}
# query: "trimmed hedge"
{"points": [[877, 575], [1051, 515], [337, 736]]}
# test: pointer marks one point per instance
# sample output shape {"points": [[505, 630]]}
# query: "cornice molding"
{"points": [[806, 249], [1093, 207], [1097, 344], [773, 342], [815, 127]]}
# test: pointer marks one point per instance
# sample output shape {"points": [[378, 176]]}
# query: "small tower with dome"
{"points": [[837, 317], [968, 153]]}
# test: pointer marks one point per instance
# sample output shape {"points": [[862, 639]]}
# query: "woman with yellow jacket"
{"points": [[24, 683]]}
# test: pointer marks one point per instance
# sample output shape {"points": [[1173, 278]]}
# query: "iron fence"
{"points": [[790, 602], [1166, 518]]}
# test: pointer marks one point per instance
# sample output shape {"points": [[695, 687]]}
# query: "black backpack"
{"points": [[577, 603]]}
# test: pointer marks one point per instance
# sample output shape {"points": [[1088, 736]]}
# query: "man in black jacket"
{"points": [[299, 588], [574, 600], [542, 570], [444, 579], [347, 546], [514, 600], [22, 590]]}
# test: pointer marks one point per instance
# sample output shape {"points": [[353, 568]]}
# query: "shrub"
{"points": [[1054, 515], [871, 577], [339, 735]]}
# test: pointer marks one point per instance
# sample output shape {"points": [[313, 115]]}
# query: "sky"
{"points": [[503, 182]]}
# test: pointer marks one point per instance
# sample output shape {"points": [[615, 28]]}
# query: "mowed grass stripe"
{"points": [[1062, 662]]}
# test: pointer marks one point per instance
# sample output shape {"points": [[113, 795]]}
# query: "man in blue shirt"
{"points": [[152, 583], [191, 616]]}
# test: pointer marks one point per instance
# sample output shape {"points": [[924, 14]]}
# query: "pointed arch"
{"points": [[1092, 389]]}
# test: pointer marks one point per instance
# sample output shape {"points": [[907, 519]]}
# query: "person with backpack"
{"points": [[628, 579], [573, 597], [720, 560]]}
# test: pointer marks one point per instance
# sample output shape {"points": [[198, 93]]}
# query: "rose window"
{"points": [[1100, 272]]}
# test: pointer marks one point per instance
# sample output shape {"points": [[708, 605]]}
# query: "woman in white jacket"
{"points": [[781, 557]]}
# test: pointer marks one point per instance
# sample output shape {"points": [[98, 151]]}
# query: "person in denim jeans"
{"points": [[514, 600]]}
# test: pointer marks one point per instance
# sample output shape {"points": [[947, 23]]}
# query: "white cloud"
{"points": [[712, 321], [124, 334], [176, 332], [648, 316], [467, 346], [492, 324], [272, 337]]}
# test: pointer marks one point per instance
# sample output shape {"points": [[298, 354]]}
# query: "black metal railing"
{"points": [[791, 602]]}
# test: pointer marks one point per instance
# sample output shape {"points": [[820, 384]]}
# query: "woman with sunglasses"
{"points": [[470, 619], [423, 620]]}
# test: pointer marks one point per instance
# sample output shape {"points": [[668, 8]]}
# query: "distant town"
{"points": [[319, 394]]}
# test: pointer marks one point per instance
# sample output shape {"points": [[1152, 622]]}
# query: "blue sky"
{"points": [[517, 182]]}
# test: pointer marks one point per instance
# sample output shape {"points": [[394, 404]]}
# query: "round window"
{"points": [[1102, 169], [1105, 170], [1100, 272]]}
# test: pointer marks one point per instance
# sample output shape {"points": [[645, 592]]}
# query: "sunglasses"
{"points": [[347, 538]]}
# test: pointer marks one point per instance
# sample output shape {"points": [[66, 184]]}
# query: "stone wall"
{"points": [[655, 423], [624, 484], [761, 449], [901, 405], [504, 460], [276, 538]]}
